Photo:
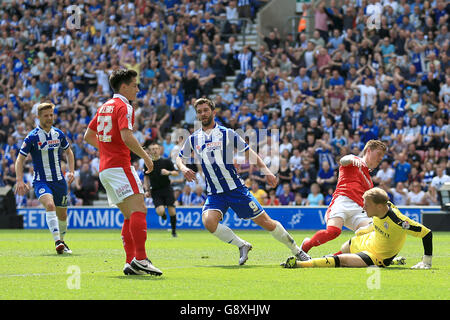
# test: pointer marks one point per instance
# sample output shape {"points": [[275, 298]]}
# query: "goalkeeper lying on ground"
{"points": [[379, 242]]}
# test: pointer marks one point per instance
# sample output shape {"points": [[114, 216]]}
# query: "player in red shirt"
{"points": [[111, 132], [346, 207]]}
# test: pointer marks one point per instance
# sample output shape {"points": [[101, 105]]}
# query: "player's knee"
{"points": [[210, 220], [265, 222], [50, 206], [171, 210], [62, 214], [160, 211], [346, 247]]}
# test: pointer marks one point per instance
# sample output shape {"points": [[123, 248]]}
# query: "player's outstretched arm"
{"points": [[21, 187], [253, 157], [71, 161], [428, 252], [90, 136], [351, 160], [188, 173]]}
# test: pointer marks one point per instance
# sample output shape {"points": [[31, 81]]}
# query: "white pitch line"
{"points": [[91, 272]]}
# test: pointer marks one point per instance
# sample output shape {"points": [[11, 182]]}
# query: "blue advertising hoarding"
{"points": [[291, 217]]}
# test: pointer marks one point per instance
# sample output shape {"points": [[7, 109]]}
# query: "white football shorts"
{"points": [[120, 183], [347, 209]]}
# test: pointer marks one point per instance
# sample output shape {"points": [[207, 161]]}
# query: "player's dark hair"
{"points": [[121, 76], [209, 102]]}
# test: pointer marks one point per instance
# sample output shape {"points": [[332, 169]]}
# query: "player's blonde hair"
{"points": [[44, 106], [376, 195], [374, 145]]}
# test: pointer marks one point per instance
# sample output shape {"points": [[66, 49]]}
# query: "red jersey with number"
{"points": [[353, 182], [114, 115]]}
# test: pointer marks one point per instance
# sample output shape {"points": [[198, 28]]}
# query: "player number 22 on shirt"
{"points": [[104, 126]]}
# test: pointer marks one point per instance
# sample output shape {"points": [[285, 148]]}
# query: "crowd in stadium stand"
{"points": [[327, 94]]}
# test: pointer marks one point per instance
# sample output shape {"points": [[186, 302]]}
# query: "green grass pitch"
{"points": [[197, 266]]}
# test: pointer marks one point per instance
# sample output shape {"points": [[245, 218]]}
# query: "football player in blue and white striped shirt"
{"points": [[214, 147], [45, 143]]}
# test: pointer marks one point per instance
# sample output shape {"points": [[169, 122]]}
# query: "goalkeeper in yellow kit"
{"points": [[379, 242]]}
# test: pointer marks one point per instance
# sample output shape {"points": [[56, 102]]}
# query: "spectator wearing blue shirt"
{"points": [[370, 131], [339, 141], [302, 77], [429, 132], [79, 151], [71, 93], [334, 42], [84, 118], [401, 103], [186, 197], [168, 145], [336, 79], [387, 50], [175, 101], [356, 116], [394, 114], [260, 116], [326, 177], [402, 168], [199, 197], [357, 144], [315, 198], [43, 84]]}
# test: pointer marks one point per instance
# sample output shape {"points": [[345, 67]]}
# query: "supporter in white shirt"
{"points": [[367, 91], [439, 179], [295, 161], [232, 12], [444, 93], [385, 173], [416, 196], [400, 194]]}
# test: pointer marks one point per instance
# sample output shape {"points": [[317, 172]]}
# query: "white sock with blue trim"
{"points": [[227, 235], [283, 236], [52, 223]]}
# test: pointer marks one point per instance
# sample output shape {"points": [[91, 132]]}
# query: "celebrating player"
{"points": [[346, 205], [378, 243], [111, 132], [159, 182], [44, 144], [215, 146]]}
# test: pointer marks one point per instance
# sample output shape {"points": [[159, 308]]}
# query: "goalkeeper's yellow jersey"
{"points": [[387, 235]]}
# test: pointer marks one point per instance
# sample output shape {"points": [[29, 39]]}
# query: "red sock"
{"points": [[138, 229], [337, 253], [127, 239], [321, 237]]}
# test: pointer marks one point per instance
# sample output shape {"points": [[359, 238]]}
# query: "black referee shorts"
{"points": [[163, 197]]}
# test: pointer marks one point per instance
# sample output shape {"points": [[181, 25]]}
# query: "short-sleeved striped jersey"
{"points": [[45, 149], [215, 152]]}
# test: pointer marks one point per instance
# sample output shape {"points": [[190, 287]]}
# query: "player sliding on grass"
{"points": [[111, 132], [378, 243], [345, 208], [214, 147]]}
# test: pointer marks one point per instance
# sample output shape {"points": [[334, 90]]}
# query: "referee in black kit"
{"points": [[159, 183]]}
